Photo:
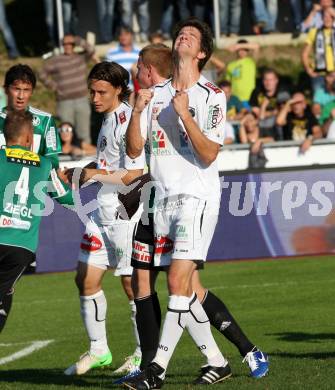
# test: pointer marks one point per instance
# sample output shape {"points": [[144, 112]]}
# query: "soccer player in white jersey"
{"points": [[183, 120], [154, 67], [107, 240]]}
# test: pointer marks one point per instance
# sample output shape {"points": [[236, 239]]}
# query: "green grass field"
{"points": [[285, 306]]}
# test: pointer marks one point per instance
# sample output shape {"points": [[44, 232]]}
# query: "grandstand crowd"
{"points": [[261, 107]]}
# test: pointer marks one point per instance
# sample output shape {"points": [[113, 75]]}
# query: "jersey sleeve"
{"points": [[59, 191], [215, 118], [53, 144]]}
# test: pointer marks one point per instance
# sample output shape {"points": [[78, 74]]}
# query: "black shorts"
{"points": [[143, 245], [13, 261]]}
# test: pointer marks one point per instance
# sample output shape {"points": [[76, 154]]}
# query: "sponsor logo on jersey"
{"points": [[122, 117], [90, 243], [102, 163], [163, 244], [103, 143], [119, 252], [192, 111], [215, 116], [17, 210], [51, 139], [155, 112], [181, 231], [20, 156], [142, 252], [14, 223], [213, 87], [36, 120], [158, 140]]}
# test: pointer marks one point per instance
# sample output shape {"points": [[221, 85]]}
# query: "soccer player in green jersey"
{"points": [[26, 178], [19, 85]]}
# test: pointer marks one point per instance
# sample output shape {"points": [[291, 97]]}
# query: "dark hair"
{"points": [[154, 35], [269, 71], [206, 43], [125, 28], [20, 72], [159, 56], [242, 41], [225, 83], [15, 123], [114, 74]]}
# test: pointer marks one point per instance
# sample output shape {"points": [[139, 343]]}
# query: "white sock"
{"points": [[137, 351], [93, 312], [174, 324], [199, 329]]}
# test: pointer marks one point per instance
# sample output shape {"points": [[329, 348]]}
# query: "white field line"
{"points": [[222, 287], [35, 346]]}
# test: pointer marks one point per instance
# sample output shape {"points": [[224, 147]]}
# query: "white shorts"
{"points": [[184, 229], [108, 245]]}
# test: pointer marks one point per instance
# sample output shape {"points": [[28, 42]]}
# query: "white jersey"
{"points": [[173, 161], [111, 153]]}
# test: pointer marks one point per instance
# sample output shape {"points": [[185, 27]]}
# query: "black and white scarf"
{"points": [[320, 49]]}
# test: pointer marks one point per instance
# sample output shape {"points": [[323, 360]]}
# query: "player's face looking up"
{"points": [[188, 41], [18, 95], [104, 97], [143, 74]]}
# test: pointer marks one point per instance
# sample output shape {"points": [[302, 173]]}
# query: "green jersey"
{"points": [[46, 138], [26, 178]]}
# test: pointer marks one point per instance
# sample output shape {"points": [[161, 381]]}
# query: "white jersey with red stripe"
{"points": [[111, 156], [174, 164]]}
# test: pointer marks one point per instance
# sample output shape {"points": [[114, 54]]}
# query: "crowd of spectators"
{"points": [[261, 107]]}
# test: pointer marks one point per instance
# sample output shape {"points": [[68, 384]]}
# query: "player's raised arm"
{"points": [[136, 132]]}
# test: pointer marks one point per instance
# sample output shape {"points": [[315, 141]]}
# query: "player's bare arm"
{"points": [[206, 149], [134, 139]]}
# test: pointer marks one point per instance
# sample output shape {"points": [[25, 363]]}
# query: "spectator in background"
{"points": [[156, 37], [327, 117], [251, 133], [70, 143], [105, 10], [324, 95], [228, 133], [235, 108], [319, 43], [298, 121], [299, 14], [69, 11], [65, 74], [70, 16], [169, 8], [127, 8], [9, 39], [265, 12], [126, 53], [265, 100], [314, 19], [242, 72], [328, 128], [230, 15]]}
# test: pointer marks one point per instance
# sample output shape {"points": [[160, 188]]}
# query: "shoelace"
{"points": [[250, 359]]}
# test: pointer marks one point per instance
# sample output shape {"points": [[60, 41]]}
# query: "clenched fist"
{"points": [[143, 98], [180, 104]]}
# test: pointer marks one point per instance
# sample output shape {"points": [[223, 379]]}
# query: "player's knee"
{"points": [[178, 285]]}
